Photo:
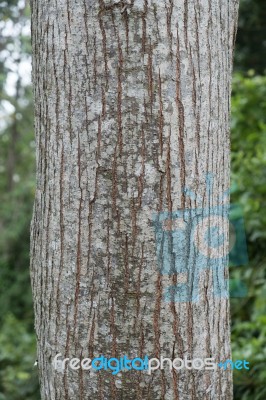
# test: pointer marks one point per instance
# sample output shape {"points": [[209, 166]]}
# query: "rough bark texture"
{"points": [[132, 105]]}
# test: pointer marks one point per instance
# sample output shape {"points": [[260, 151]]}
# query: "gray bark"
{"points": [[132, 106]]}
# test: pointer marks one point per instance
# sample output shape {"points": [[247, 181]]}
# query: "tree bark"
{"points": [[132, 104]]}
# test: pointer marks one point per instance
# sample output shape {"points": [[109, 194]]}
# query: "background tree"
{"points": [[131, 107], [18, 380], [251, 44]]}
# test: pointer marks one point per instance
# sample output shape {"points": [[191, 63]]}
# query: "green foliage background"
{"points": [[18, 377], [249, 189]]}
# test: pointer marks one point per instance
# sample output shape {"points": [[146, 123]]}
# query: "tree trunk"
{"points": [[132, 106]]}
